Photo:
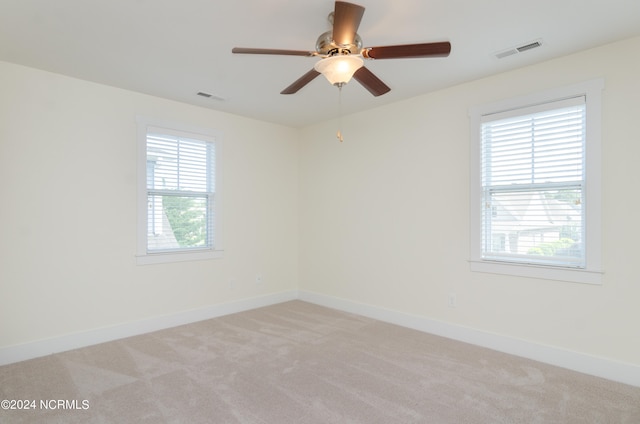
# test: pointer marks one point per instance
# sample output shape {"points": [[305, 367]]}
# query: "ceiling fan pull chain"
{"points": [[339, 133]]}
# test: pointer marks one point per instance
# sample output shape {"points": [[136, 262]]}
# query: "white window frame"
{"points": [[143, 256], [592, 272]]}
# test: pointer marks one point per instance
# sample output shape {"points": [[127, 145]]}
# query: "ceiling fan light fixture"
{"points": [[340, 68]]}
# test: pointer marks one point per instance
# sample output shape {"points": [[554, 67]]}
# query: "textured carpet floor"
{"points": [[301, 363]]}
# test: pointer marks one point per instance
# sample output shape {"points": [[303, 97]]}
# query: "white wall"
{"points": [[68, 210], [381, 219], [384, 216]]}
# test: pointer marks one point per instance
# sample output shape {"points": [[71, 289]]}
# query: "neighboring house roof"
{"points": [[533, 212]]}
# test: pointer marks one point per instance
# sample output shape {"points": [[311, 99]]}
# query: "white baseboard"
{"points": [[588, 364], [600, 367], [66, 342]]}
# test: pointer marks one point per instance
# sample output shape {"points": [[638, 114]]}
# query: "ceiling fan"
{"points": [[342, 53]]}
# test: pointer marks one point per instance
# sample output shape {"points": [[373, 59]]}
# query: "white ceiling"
{"points": [[176, 48]]}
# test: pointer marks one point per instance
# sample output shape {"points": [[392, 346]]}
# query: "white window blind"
{"points": [[533, 184], [180, 182]]}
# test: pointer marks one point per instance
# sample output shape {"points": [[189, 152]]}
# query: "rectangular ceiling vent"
{"points": [[210, 96], [529, 46], [506, 53], [520, 49]]}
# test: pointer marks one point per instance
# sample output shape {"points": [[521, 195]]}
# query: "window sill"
{"points": [[535, 271], [160, 258]]}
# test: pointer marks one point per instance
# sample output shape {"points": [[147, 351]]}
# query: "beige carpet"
{"points": [[301, 363]]}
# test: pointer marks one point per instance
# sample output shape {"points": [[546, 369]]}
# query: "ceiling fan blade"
{"points": [[371, 82], [301, 82], [346, 20], [441, 49], [242, 50]]}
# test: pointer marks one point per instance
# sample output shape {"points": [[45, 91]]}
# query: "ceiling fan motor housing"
{"points": [[327, 47]]}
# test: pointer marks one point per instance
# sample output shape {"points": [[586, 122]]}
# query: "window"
{"points": [[535, 185], [178, 193]]}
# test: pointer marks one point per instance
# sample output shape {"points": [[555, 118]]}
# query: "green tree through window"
{"points": [[188, 219]]}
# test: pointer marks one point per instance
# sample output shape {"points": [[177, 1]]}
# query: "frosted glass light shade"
{"points": [[339, 69]]}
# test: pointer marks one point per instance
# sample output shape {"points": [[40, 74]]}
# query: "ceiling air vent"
{"points": [[520, 49], [210, 96], [529, 46], [506, 53]]}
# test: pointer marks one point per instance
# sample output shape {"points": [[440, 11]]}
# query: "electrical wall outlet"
{"points": [[452, 300], [259, 279], [232, 284]]}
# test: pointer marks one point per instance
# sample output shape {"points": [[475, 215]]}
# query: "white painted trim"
{"points": [[588, 364], [164, 257], [175, 128], [600, 367], [66, 342], [592, 90], [538, 271]]}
